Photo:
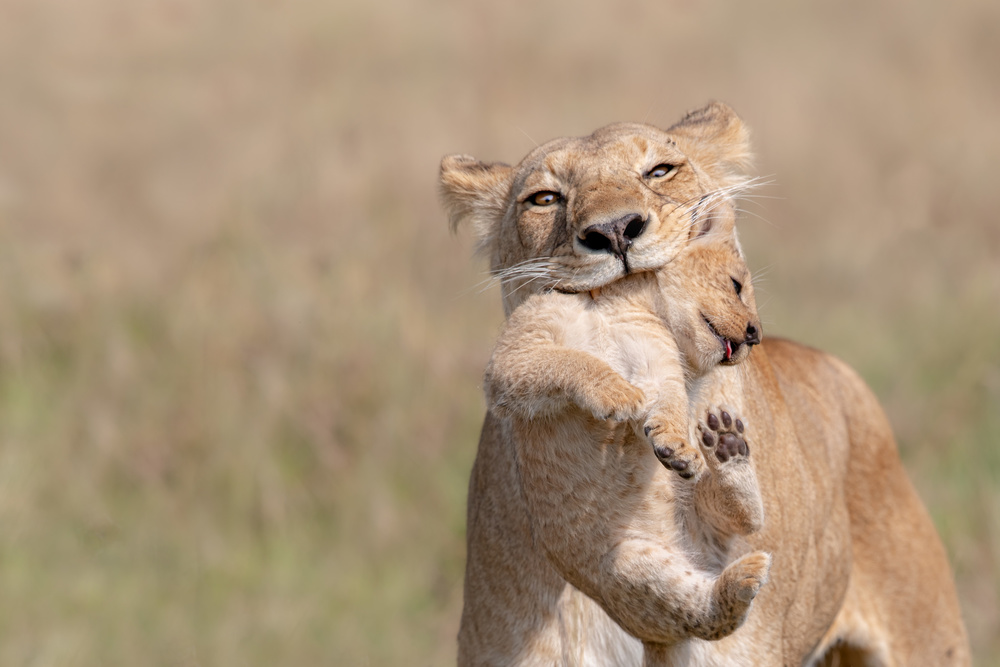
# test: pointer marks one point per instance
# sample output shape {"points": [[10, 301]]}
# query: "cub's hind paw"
{"points": [[722, 434], [673, 451], [743, 578], [733, 594]]}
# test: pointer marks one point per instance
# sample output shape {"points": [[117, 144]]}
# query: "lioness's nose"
{"points": [[615, 236], [753, 335]]}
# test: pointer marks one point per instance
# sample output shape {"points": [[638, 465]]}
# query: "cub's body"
{"points": [[610, 518]]}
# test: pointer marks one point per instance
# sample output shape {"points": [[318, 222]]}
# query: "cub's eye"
{"points": [[661, 170], [737, 285], [544, 198]]}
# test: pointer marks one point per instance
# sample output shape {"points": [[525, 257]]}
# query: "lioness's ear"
{"points": [[718, 138], [475, 192]]}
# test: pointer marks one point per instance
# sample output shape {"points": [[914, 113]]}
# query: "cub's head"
{"points": [[578, 213], [709, 301]]}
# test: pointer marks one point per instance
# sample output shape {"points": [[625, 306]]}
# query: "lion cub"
{"points": [[565, 363]]}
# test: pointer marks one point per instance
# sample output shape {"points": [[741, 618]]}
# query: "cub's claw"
{"points": [[673, 450]]}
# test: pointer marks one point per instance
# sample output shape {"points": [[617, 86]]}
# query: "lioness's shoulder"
{"points": [[792, 359], [801, 369]]}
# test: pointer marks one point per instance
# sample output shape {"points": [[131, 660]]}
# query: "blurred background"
{"points": [[240, 353]]}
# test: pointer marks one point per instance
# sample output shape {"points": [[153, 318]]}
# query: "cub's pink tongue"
{"points": [[729, 350]]}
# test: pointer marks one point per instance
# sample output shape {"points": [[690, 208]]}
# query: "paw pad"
{"points": [[672, 451], [723, 433]]}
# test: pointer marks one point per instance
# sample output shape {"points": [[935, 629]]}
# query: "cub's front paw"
{"points": [[612, 398], [730, 496], [722, 434], [673, 450]]}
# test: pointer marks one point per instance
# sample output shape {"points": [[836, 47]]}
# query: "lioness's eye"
{"points": [[544, 198], [661, 170], [737, 285]]}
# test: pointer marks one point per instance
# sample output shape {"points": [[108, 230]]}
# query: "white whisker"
{"points": [[521, 130], [525, 284], [761, 273], [534, 268], [752, 214]]}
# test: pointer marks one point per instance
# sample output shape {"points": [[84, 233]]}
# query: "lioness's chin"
{"points": [[594, 280], [598, 277]]}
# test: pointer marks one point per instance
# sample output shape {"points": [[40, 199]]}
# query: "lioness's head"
{"points": [[709, 301], [578, 213]]}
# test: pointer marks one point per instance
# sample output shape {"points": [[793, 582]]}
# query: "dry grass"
{"points": [[240, 354]]}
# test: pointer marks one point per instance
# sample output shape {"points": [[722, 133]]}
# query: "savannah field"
{"points": [[240, 352]]}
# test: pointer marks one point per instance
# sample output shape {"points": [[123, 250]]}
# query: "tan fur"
{"points": [[534, 248], [857, 566], [562, 361]]}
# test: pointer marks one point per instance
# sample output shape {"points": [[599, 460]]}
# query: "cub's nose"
{"points": [[753, 335], [615, 236]]}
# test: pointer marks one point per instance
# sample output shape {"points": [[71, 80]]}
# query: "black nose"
{"points": [[615, 236], [753, 336]]}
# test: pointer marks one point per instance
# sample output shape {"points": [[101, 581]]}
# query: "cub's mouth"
{"points": [[729, 346]]}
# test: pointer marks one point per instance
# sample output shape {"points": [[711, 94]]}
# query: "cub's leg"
{"points": [[604, 514], [669, 603], [666, 428], [733, 594], [543, 378], [728, 497], [720, 613]]}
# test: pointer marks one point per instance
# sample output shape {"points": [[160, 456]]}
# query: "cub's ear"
{"points": [[717, 137], [475, 192]]}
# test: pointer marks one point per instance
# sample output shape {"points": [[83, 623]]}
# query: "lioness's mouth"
{"points": [[729, 347]]}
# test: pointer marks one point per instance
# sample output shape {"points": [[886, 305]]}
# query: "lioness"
{"points": [[564, 360], [858, 574]]}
